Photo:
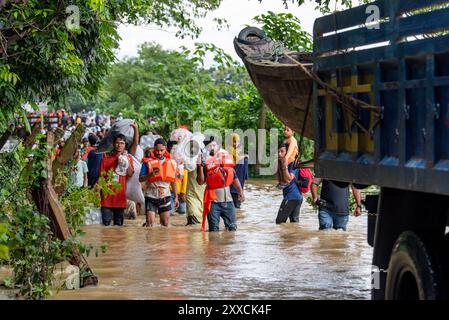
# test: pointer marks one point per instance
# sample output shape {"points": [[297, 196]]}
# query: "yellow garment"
{"points": [[292, 149], [233, 151], [181, 184], [194, 197]]}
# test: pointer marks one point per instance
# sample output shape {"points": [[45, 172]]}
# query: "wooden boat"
{"points": [[283, 85]]}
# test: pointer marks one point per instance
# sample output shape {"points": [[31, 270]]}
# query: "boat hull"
{"points": [[283, 85], [286, 90]]}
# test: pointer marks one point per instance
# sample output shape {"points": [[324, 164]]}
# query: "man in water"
{"points": [[113, 206], [334, 203], [159, 172], [218, 173]]}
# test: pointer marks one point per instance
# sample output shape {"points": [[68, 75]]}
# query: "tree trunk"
{"points": [[5, 136], [65, 156], [31, 139], [47, 203]]}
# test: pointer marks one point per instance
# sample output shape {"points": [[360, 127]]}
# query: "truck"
{"points": [[380, 116]]}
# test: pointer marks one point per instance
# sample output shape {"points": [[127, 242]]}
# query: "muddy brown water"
{"points": [[261, 260]]}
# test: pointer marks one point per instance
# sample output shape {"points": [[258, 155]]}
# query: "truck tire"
{"points": [[411, 273], [445, 267], [250, 32]]}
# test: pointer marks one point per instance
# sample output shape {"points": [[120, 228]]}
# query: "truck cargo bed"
{"points": [[403, 68]]}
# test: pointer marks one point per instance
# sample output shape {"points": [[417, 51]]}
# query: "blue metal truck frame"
{"points": [[409, 81], [398, 62]]}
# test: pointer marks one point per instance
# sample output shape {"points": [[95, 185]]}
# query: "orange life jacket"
{"points": [[165, 171], [219, 171]]}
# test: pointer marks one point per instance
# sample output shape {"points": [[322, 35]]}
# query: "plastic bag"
{"points": [[122, 165], [147, 141], [133, 188], [87, 132], [93, 216], [139, 154], [123, 127], [180, 134], [188, 150]]}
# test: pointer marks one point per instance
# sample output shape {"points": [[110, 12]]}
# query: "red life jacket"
{"points": [[165, 171], [219, 171]]}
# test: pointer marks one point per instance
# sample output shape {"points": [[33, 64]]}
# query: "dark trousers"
{"points": [[289, 210], [109, 214], [92, 181]]}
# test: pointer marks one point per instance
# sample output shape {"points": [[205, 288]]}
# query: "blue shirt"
{"points": [[93, 163], [144, 170], [292, 192], [241, 171]]}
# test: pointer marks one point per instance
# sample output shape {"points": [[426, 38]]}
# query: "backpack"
{"points": [[305, 180]]}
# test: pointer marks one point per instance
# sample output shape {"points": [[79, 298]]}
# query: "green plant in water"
{"points": [[4, 236], [25, 234]]}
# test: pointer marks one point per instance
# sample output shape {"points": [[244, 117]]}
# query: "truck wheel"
{"points": [[411, 274]]}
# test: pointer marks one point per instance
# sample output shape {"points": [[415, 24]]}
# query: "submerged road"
{"points": [[261, 260]]}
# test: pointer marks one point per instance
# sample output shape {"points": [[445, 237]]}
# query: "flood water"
{"points": [[261, 260]]}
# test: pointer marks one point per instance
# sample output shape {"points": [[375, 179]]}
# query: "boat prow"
{"points": [[284, 86]]}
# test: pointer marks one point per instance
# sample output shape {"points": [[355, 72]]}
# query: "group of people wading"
{"points": [[211, 189], [166, 183]]}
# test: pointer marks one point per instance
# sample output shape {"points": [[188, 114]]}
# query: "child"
{"points": [[290, 156], [78, 171], [293, 150]]}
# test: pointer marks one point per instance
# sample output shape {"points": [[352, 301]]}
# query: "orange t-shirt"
{"points": [[117, 200], [293, 150]]}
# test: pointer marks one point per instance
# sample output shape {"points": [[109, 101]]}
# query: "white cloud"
{"points": [[238, 14]]}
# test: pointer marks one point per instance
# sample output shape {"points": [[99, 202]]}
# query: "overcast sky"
{"points": [[238, 14]]}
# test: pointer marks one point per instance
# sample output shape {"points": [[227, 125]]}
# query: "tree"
{"points": [[173, 88], [325, 6], [166, 86], [46, 54], [51, 48], [285, 27]]}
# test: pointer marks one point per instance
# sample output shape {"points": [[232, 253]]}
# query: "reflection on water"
{"points": [[261, 260]]}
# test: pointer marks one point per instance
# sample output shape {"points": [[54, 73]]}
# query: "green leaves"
{"points": [[76, 202], [285, 27], [7, 76], [25, 235], [43, 60], [324, 5], [4, 239], [25, 121]]}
